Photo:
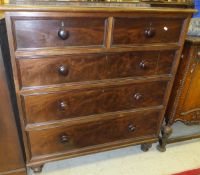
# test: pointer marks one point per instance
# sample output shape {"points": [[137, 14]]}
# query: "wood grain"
{"points": [[186, 99], [132, 30], [102, 80], [45, 71], [42, 32], [90, 133], [47, 107]]}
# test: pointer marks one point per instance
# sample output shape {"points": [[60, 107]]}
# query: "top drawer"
{"points": [[146, 30], [71, 31]]}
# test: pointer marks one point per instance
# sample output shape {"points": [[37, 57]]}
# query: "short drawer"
{"points": [[94, 133], [146, 30], [76, 103], [70, 31], [77, 68]]}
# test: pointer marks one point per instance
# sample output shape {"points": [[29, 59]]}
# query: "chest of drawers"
{"points": [[92, 79]]}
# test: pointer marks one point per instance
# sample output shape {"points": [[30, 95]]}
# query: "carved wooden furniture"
{"points": [[11, 158], [92, 79], [184, 103]]}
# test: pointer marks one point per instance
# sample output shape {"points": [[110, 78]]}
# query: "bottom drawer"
{"points": [[130, 125]]}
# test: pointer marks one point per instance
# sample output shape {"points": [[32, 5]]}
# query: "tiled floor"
{"points": [[132, 161]]}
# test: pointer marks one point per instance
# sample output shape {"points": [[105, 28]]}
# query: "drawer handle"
{"points": [[62, 33], [138, 96], [63, 70], [63, 105], [64, 138], [143, 64], [131, 128], [150, 32]]}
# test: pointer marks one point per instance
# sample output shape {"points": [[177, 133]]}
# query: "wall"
{"points": [[197, 6]]}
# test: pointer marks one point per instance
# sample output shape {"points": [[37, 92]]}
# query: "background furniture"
{"points": [[82, 76], [184, 103], [11, 157]]}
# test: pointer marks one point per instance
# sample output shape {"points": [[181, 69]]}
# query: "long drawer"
{"points": [[70, 104], [59, 32], [74, 137], [146, 30], [77, 68]]}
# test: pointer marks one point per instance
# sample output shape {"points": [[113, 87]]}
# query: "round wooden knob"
{"points": [[138, 96], [149, 32], [143, 64], [63, 70], [63, 34], [64, 138], [131, 128], [63, 105]]}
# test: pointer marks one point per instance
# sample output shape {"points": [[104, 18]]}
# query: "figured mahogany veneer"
{"points": [[42, 32], [93, 79], [146, 30], [77, 68], [110, 129], [69, 104]]}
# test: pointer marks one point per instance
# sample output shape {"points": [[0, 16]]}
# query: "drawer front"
{"points": [[77, 68], [72, 31], [64, 105], [74, 137], [146, 30]]}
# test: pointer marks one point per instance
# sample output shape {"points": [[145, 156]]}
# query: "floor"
{"points": [[132, 161]]}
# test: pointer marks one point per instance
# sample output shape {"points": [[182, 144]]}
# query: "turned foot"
{"points": [[37, 169], [166, 131], [145, 147]]}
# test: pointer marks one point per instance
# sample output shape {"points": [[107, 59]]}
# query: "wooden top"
{"points": [[100, 5]]}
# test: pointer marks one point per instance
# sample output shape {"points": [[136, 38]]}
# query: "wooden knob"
{"points": [[131, 128], [138, 96], [63, 34], [63, 70], [149, 32], [63, 105], [64, 138], [143, 64]]}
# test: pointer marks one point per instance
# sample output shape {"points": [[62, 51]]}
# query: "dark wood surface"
{"points": [[11, 157], [36, 33], [103, 85], [146, 30], [69, 104], [76, 68], [112, 128]]}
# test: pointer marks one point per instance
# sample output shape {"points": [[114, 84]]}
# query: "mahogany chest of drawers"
{"points": [[92, 79]]}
